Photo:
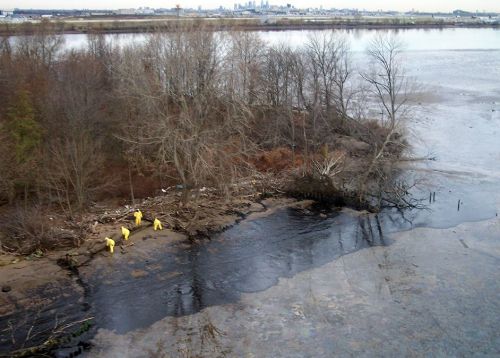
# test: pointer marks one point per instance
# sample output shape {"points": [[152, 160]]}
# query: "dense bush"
{"points": [[190, 107]]}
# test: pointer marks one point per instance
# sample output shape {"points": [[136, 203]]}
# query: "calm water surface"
{"points": [[415, 39]]}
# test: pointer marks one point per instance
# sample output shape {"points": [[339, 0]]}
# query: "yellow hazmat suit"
{"points": [[125, 232], [111, 244], [138, 217], [157, 225]]}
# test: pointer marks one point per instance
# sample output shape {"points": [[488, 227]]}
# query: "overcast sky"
{"points": [[403, 5]]}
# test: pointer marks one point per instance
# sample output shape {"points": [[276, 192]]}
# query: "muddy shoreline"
{"points": [[419, 296], [39, 291]]}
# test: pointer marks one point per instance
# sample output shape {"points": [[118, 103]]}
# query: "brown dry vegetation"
{"points": [[190, 109]]}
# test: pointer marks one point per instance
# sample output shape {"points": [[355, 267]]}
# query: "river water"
{"points": [[460, 39], [456, 122]]}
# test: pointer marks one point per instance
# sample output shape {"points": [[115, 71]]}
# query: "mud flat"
{"points": [[45, 298], [38, 298], [432, 292]]}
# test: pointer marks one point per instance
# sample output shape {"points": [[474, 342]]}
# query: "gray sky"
{"points": [[403, 5]]}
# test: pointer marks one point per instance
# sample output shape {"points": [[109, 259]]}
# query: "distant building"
{"points": [[125, 12], [145, 11], [6, 12]]}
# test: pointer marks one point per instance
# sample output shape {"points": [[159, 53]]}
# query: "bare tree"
{"points": [[390, 88], [183, 121], [42, 47], [5, 46], [79, 125], [74, 171], [388, 81], [7, 170], [330, 69], [194, 107], [243, 64]]}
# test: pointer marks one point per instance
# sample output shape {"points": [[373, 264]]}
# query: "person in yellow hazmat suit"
{"points": [[111, 244], [125, 232], [138, 217], [157, 225]]}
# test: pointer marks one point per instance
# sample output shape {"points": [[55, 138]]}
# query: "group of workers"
{"points": [[126, 232]]}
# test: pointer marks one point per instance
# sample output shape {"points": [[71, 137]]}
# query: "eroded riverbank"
{"points": [[48, 298], [200, 289]]}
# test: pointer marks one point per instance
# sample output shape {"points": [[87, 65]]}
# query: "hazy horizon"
{"points": [[423, 5]]}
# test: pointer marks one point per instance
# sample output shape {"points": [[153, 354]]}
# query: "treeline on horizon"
{"points": [[192, 108], [148, 25]]}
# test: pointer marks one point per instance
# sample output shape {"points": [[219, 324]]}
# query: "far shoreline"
{"points": [[145, 25]]}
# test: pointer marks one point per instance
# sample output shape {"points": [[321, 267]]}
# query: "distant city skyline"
{"points": [[398, 5]]}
